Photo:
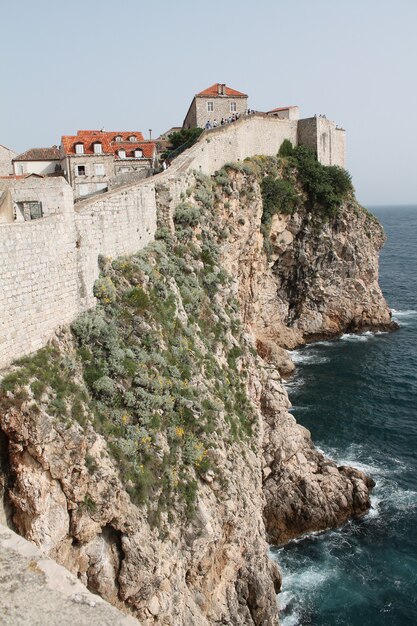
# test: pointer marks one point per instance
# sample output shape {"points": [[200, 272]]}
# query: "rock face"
{"points": [[192, 573], [64, 490], [35, 590], [320, 278]]}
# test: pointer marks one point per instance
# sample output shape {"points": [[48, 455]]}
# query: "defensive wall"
{"points": [[48, 266]]}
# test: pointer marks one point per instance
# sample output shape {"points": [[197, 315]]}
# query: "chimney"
{"points": [[219, 89]]}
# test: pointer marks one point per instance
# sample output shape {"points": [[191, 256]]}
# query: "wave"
{"points": [[406, 313], [354, 456], [403, 317], [358, 337], [302, 356]]}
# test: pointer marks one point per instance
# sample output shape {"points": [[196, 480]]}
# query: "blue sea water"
{"points": [[358, 397]]}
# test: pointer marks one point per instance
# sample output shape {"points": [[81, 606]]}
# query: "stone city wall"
{"points": [[322, 136], [38, 281], [116, 223], [48, 266]]}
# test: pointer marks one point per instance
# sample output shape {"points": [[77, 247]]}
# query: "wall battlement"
{"points": [[48, 266]]}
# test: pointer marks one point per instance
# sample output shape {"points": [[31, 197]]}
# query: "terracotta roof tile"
{"points": [[292, 106], [39, 154], [213, 92], [108, 141]]}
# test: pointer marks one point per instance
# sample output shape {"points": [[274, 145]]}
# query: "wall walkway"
{"points": [[48, 267]]}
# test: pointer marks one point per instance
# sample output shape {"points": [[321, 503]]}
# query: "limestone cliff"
{"points": [[150, 449]]}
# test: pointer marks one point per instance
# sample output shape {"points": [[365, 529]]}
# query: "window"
{"points": [[233, 107], [99, 169], [138, 154], [79, 148], [83, 189], [31, 210], [35, 210], [98, 149], [122, 154], [210, 106], [132, 138], [80, 170], [118, 138]]}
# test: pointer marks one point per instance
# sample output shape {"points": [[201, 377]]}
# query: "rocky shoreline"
{"points": [[249, 476]]}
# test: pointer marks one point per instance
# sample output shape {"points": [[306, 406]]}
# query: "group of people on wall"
{"points": [[226, 120]]}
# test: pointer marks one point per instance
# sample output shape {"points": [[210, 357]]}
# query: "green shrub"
{"points": [[138, 298], [104, 290], [278, 196], [326, 186], [187, 214], [183, 136], [286, 149]]}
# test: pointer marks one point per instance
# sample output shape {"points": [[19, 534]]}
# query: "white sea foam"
{"points": [[298, 584], [402, 317], [401, 499], [362, 337], [303, 356], [374, 511], [352, 457], [406, 313]]}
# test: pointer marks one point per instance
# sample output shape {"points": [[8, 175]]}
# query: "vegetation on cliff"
{"points": [[162, 359]]}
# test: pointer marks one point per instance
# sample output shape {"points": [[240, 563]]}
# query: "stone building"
{"points": [[285, 113], [6, 157], [38, 161], [213, 103], [32, 197], [95, 160]]}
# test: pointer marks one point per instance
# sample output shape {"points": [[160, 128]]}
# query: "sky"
{"points": [[135, 65]]}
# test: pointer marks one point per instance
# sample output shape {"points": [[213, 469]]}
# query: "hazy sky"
{"points": [[135, 65]]}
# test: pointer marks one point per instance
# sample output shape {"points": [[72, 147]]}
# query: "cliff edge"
{"points": [[149, 448]]}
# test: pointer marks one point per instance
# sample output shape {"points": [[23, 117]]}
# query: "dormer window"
{"points": [[132, 138], [138, 154], [122, 154], [79, 148], [98, 148], [118, 138]]}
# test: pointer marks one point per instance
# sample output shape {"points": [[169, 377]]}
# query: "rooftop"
{"points": [[111, 142], [39, 154], [220, 89], [292, 106]]}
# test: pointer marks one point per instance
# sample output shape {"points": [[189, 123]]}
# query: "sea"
{"points": [[358, 397]]}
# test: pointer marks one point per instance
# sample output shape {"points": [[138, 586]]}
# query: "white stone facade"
{"points": [[48, 266], [322, 136], [88, 173]]}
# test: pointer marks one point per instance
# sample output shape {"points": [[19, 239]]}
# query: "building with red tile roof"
{"points": [[93, 160], [220, 89], [214, 103]]}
